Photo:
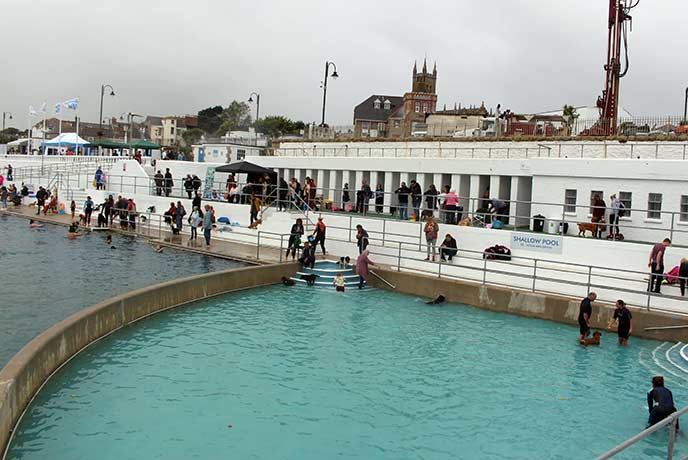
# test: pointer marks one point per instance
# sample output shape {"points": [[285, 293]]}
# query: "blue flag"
{"points": [[72, 104]]}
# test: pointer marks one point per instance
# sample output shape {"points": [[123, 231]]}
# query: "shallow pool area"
{"points": [[46, 277], [308, 373]]}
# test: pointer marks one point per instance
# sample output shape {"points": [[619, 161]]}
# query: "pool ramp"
{"points": [[668, 358]]}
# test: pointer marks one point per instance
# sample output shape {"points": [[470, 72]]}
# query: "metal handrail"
{"points": [[670, 421]]}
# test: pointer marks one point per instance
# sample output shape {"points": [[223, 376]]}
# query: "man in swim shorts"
{"points": [[584, 315]]}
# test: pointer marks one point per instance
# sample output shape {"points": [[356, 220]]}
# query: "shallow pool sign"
{"points": [[549, 244]]}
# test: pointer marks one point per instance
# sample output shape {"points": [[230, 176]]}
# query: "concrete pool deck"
{"points": [[218, 247]]}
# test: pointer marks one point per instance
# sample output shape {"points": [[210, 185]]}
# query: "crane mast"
{"points": [[617, 40]]}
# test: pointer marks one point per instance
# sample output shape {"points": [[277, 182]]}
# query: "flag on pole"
{"points": [[58, 108], [72, 104], [43, 106], [32, 111]]}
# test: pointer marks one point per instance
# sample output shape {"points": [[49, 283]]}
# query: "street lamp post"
{"points": [[102, 93], [250, 99], [324, 86], [4, 114], [685, 107]]}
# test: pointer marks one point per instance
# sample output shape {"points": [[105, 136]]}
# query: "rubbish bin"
{"points": [[563, 228], [538, 223], [552, 226]]}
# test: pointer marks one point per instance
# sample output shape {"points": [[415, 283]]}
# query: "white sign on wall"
{"points": [[537, 242]]}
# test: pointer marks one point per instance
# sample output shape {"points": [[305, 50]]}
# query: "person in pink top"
{"points": [[451, 201], [362, 268]]}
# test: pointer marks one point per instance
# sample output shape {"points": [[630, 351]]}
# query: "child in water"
{"points": [[34, 224], [338, 282]]}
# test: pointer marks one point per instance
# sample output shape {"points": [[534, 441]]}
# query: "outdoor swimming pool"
{"points": [[46, 277], [306, 373]]}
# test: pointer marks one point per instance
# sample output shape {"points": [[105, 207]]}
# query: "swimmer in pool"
{"points": [[108, 240], [34, 224], [73, 231], [338, 282], [158, 248]]}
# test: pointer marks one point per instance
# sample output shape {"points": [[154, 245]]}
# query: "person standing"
{"points": [[159, 180], [188, 185], [196, 202], [99, 178], [3, 197], [319, 235], [656, 264], [88, 210], [180, 212], [416, 199], [345, 197], [169, 183], [366, 193], [599, 208], [362, 270], [664, 400], [614, 216], [431, 230], [255, 209], [10, 178], [683, 275], [451, 202], [431, 195], [131, 210], [403, 195], [361, 238], [295, 238], [282, 195], [194, 222], [379, 198], [207, 225], [41, 195], [584, 315], [624, 319]]}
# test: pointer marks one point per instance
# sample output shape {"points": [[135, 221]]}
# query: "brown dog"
{"points": [[594, 340], [585, 227], [255, 223]]}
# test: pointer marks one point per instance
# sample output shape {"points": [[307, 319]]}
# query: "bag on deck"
{"points": [[497, 252]]}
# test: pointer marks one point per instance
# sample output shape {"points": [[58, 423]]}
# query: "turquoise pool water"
{"points": [[306, 373], [46, 277]]}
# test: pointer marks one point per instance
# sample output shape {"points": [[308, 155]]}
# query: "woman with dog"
{"points": [[599, 208], [622, 317], [88, 210], [254, 210], [295, 238]]}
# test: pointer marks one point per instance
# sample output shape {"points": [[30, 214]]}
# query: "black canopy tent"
{"points": [[245, 167]]}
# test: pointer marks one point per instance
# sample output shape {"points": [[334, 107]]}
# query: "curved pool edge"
{"points": [[28, 370], [549, 307]]}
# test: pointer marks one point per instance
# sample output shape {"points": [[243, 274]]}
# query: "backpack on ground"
{"points": [[497, 252]]}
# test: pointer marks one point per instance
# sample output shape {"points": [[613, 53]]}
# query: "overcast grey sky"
{"points": [[175, 57]]}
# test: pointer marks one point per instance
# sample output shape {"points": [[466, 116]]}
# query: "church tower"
{"points": [[422, 100], [424, 82]]}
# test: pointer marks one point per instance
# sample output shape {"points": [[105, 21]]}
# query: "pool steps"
{"points": [[326, 271]]}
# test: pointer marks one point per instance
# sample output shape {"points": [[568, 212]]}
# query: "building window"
{"points": [[376, 104], [380, 126], [654, 206], [172, 131], [241, 154], [683, 217], [626, 199], [592, 198], [388, 105], [425, 108], [570, 197], [397, 123], [417, 107]]}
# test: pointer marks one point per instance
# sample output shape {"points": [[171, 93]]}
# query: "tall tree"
{"points": [[235, 117], [210, 119], [570, 115], [192, 136], [277, 125]]}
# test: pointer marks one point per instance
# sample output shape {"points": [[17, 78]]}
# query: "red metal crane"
{"points": [[608, 103]]}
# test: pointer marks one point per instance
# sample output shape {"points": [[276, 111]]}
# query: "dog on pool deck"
{"points": [[287, 282], [255, 223], [594, 340], [587, 227], [309, 279]]}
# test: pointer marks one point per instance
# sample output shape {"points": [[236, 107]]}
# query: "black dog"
{"points": [[287, 282], [440, 299], [309, 279]]}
